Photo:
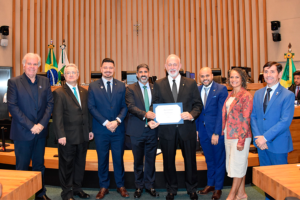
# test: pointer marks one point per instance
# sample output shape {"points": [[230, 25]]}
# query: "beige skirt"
{"points": [[236, 161]]}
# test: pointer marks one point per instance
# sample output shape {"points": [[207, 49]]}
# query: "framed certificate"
{"points": [[168, 113]]}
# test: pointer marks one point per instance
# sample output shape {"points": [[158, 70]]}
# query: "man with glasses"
{"points": [[72, 125], [106, 102], [30, 103]]}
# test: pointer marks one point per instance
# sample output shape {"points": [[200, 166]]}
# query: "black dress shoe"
{"points": [[170, 196], [193, 196], [82, 195], [137, 193], [44, 197], [152, 192]]}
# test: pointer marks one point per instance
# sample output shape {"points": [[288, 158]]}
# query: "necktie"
{"points": [[108, 90], [267, 99], [297, 91], [205, 96], [75, 94], [174, 90], [146, 99]]}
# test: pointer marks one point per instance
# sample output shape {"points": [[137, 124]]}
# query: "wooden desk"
{"points": [[19, 184], [92, 161], [279, 181]]}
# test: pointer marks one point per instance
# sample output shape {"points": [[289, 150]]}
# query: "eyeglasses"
{"points": [[69, 73]]}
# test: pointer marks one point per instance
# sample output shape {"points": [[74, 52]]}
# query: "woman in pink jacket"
{"points": [[236, 128]]}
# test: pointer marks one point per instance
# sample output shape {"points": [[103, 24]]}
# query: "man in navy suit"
{"points": [[106, 103], [295, 88], [209, 128], [30, 103], [272, 115], [143, 138]]}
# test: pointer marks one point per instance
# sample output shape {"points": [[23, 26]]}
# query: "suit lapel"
{"points": [[151, 89], [26, 85], [181, 88], [40, 86], [81, 97], [71, 94], [166, 85], [114, 89], [139, 92], [275, 95], [102, 88], [211, 93]]}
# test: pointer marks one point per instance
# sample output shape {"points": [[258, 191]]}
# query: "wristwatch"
{"points": [[215, 134], [118, 122]]}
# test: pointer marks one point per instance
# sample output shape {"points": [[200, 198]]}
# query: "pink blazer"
{"points": [[238, 118]]}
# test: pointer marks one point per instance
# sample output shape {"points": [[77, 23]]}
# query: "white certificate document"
{"points": [[168, 113]]}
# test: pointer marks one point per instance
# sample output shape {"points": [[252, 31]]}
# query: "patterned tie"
{"points": [[267, 99], [174, 90], [75, 93], [108, 90], [205, 96], [146, 99]]}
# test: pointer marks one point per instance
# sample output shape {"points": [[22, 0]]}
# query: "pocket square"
{"points": [[214, 96]]}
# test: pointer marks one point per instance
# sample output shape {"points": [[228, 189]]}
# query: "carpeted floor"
{"points": [[253, 192]]}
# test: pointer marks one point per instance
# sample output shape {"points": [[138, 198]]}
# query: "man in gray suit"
{"points": [[72, 124]]}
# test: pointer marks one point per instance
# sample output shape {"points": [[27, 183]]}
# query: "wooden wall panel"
{"points": [[218, 34]]}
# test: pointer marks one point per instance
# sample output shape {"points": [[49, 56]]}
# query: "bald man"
{"points": [[209, 126]]}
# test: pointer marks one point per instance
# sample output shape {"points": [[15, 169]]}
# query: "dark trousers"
{"points": [[144, 146], [71, 167], [188, 148], [215, 160], [31, 150], [116, 143]]}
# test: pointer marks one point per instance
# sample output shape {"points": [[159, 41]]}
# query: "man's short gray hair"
{"points": [[72, 65], [173, 55], [31, 55]]}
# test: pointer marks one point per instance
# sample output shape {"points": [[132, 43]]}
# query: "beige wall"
{"points": [[6, 19], [215, 33], [287, 12]]}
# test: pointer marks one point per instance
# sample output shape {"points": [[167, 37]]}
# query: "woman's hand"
{"points": [[240, 148]]}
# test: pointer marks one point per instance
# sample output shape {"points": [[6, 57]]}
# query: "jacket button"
{"points": [[203, 114], [111, 107], [83, 124], [264, 118]]}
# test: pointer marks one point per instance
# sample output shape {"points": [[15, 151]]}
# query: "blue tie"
{"points": [[75, 93], [108, 90]]}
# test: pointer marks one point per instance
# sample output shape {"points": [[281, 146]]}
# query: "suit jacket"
{"points": [[292, 88], [21, 105], [103, 109], [211, 114], [71, 120], [275, 122], [237, 120], [136, 109], [189, 96]]}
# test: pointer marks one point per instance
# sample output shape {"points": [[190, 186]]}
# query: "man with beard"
{"points": [[296, 87], [106, 103], [172, 89], [209, 128], [143, 138], [272, 115]]}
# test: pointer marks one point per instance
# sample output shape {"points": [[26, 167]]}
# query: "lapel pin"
{"points": [[276, 93], [214, 90], [115, 84], [40, 86], [182, 84], [101, 87]]}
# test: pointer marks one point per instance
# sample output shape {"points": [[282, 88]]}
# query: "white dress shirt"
{"points": [[177, 80], [203, 91], [274, 87]]}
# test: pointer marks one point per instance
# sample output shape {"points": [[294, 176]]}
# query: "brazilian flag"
{"points": [[51, 67], [287, 78]]}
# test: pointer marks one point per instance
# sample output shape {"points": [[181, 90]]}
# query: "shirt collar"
{"points": [[209, 86], [274, 87], [105, 81], [29, 81], [142, 85], [70, 86], [176, 79]]}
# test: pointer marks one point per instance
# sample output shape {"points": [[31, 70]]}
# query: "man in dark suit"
{"points": [[106, 103], [209, 127], [30, 103], [143, 138], [172, 89], [272, 115], [296, 87], [72, 125]]}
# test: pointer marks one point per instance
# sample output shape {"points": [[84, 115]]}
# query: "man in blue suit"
{"points": [[106, 103], [272, 115], [209, 128], [30, 103]]}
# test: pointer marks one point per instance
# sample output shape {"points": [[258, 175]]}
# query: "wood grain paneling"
{"points": [[201, 32]]}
